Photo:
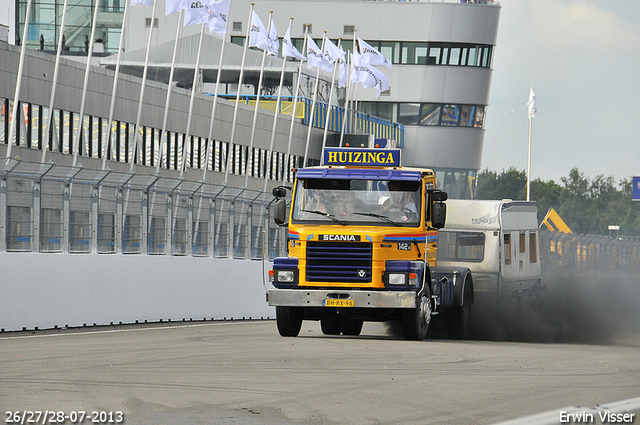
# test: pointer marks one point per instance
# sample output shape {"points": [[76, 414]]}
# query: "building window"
{"points": [[467, 113], [147, 22], [408, 113], [430, 53], [479, 119], [414, 54], [349, 29], [430, 114], [237, 26], [390, 50], [450, 115]]}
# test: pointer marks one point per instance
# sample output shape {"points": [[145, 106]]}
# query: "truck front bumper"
{"points": [[318, 297]]}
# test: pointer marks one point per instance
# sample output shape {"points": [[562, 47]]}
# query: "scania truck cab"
{"points": [[362, 233]]}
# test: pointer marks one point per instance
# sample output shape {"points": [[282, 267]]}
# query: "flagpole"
{"points": [[326, 121], [313, 106], [295, 103], [346, 100], [16, 97], [106, 144], [529, 162], [532, 110], [275, 117], [213, 113], [235, 110], [136, 134], [191, 101], [255, 110], [76, 146], [161, 145], [47, 124], [349, 87]]}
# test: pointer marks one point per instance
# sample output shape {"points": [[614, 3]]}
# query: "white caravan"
{"points": [[497, 241]]}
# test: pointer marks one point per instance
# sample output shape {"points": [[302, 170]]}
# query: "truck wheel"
{"points": [[330, 326], [351, 327], [415, 321], [460, 315], [289, 321]]}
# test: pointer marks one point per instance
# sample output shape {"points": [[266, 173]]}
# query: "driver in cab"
{"points": [[401, 205]]}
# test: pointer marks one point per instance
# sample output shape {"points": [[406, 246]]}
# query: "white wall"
{"points": [[49, 290]]}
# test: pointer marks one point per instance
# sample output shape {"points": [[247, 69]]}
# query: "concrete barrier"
{"points": [[69, 290]]}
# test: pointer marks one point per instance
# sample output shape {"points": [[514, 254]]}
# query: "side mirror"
{"points": [[439, 196], [279, 192], [438, 214], [279, 211]]}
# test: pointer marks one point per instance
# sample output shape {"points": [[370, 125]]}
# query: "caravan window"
{"points": [[507, 249], [461, 246], [533, 251]]}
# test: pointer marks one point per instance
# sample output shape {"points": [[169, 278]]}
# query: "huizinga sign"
{"points": [[362, 157]]}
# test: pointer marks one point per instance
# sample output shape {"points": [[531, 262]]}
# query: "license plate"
{"points": [[338, 303]]}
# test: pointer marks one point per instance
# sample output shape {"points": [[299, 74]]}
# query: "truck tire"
{"points": [[415, 321], [460, 315], [289, 321], [351, 327], [330, 326]]}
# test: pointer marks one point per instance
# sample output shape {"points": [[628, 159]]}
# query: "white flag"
{"points": [[197, 13], [369, 76], [145, 2], [356, 62], [332, 52], [342, 78], [371, 55], [315, 58], [173, 6], [219, 17], [532, 104], [274, 42], [258, 34], [288, 49]]}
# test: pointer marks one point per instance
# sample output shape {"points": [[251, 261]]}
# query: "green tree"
{"points": [[509, 184], [547, 194], [587, 205]]}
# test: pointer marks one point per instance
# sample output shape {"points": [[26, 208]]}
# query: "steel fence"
{"points": [[588, 255], [53, 208]]}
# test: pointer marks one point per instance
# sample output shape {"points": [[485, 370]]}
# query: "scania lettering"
{"points": [[362, 233]]}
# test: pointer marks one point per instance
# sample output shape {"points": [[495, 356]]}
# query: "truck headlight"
{"points": [[285, 276], [397, 279]]}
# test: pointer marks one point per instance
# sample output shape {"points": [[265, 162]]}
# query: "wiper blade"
{"points": [[324, 214], [381, 217]]}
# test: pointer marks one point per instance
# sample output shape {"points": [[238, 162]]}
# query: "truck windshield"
{"points": [[358, 202]]}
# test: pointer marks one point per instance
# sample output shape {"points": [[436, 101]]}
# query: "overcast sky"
{"points": [[583, 59]]}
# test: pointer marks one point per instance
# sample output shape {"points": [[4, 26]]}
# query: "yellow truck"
{"points": [[362, 244]]}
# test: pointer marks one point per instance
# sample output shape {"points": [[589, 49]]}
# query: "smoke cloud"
{"points": [[572, 309]]}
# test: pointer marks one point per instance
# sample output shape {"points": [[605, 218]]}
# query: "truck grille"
{"points": [[339, 262]]}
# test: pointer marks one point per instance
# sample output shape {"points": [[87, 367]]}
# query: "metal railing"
{"points": [[56, 208], [356, 122], [588, 255]]}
